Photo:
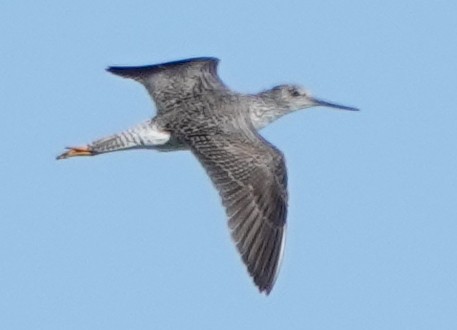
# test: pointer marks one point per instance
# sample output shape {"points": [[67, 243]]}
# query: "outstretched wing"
{"points": [[251, 177], [170, 84]]}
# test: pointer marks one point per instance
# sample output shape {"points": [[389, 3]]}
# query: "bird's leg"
{"points": [[144, 136], [76, 151]]}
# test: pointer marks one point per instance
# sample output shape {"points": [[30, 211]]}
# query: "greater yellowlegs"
{"points": [[196, 111]]}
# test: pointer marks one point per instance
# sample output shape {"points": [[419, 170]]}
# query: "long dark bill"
{"points": [[333, 105]]}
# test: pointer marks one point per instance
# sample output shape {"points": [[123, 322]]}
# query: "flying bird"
{"points": [[196, 111]]}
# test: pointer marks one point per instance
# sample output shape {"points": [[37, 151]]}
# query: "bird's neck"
{"points": [[264, 110]]}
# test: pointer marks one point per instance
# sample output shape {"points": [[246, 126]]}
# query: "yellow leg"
{"points": [[75, 152]]}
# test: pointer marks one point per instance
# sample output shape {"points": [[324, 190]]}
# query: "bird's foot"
{"points": [[76, 151]]}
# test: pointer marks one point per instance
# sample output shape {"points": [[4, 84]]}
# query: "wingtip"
{"points": [[267, 290], [122, 71], [136, 71], [264, 288]]}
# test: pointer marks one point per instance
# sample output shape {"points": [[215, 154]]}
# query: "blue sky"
{"points": [[138, 240]]}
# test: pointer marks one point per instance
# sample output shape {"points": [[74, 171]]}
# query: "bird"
{"points": [[197, 111]]}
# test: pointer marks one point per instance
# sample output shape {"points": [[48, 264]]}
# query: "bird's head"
{"points": [[294, 97]]}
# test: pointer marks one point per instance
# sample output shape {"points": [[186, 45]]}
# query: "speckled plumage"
{"points": [[249, 173], [196, 111]]}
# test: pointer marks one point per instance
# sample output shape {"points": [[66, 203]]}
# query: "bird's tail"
{"points": [[143, 136]]}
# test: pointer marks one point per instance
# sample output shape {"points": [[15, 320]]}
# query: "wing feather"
{"points": [[169, 84], [250, 175]]}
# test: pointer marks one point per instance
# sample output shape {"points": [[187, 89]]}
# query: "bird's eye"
{"points": [[294, 93]]}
